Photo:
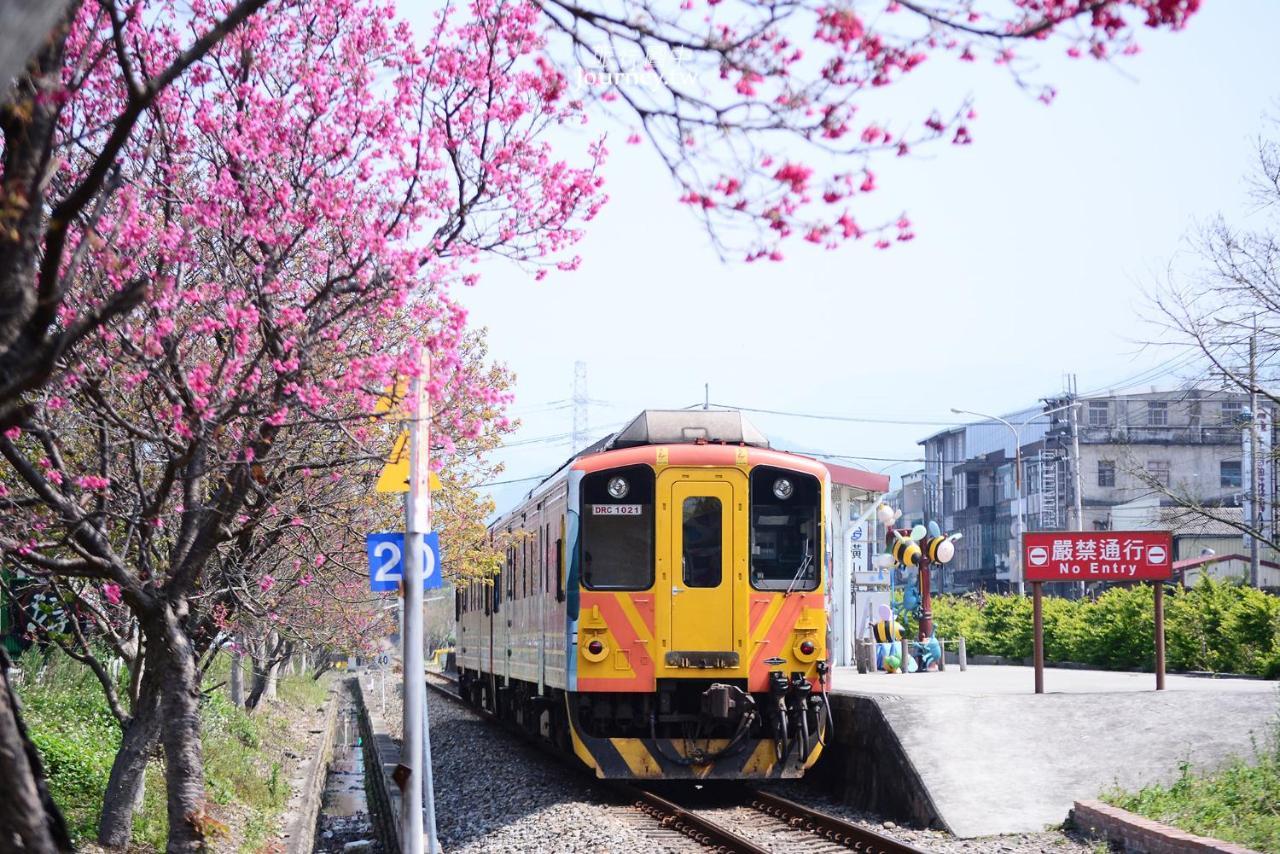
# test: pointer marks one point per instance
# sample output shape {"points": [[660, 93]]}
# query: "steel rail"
{"points": [[720, 839], [830, 828], [714, 836]]}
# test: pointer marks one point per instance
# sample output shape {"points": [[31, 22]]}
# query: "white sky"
{"points": [[1033, 248]]}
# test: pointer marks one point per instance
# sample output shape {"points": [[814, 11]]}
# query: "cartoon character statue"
{"points": [[912, 553], [887, 633], [928, 652]]}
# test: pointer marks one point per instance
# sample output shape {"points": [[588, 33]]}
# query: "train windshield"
{"points": [[617, 529], [785, 550]]}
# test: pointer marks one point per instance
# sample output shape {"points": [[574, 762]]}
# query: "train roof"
{"points": [[688, 427], [669, 427]]}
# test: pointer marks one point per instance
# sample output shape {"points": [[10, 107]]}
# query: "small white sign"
{"points": [[617, 509], [858, 547]]}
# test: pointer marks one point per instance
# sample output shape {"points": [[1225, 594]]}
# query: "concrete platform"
{"points": [[980, 754]]}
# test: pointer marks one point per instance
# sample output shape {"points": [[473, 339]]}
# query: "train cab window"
{"points": [[617, 529], [702, 554], [786, 553]]}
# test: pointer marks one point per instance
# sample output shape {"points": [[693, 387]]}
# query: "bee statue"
{"points": [[916, 551]]}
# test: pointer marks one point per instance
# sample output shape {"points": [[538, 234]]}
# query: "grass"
{"points": [[1239, 803], [243, 753]]}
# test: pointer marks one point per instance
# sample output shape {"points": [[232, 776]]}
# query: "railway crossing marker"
{"points": [[386, 561]]}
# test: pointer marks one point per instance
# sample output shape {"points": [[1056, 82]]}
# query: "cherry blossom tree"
{"points": [[215, 215], [770, 115], [313, 180]]}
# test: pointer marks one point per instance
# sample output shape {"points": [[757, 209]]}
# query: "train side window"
{"points": [[510, 571], [559, 570], [702, 552], [546, 564]]}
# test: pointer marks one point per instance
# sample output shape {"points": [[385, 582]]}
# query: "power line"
{"points": [[505, 482], [853, 419], [846, 418]]}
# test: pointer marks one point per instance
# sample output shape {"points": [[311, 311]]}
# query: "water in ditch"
{"points": [[344, 825]]}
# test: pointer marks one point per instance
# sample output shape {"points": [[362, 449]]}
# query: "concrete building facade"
{"points": [[1132, 447]]}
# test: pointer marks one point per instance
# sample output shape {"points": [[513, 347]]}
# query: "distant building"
{"points": [[1189, 441]]}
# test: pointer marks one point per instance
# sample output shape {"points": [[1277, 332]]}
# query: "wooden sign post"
{"points": [[1077, 556]]}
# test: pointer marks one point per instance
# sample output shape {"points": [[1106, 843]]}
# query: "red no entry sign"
{"points": [[1097, 555]]}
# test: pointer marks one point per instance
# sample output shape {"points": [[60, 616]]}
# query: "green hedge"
{"points": [[1216, 626]]}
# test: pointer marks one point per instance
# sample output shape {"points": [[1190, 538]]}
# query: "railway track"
{"points": [[762, 823]]}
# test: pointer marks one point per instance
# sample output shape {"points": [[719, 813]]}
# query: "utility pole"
{"points": [[581, 401], [1256, 465], [706, 395], [415, 753], [1075, 463]]}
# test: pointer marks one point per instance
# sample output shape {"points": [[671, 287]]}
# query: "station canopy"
{"points": [[688, 427]]}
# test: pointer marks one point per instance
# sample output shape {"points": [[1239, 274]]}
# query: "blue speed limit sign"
{"points": [[386, 560]]}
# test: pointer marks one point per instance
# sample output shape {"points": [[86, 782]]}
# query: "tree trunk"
{"points": [[124, 787], [29, 819], [273, 669], [237, 678], [273, 678], [180, 735]]}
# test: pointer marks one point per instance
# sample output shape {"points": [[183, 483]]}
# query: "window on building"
{"points": [[1099, 413], [1230, 474], [1231, 410], [1158, 413], [1106, 473], [1158, 470]]}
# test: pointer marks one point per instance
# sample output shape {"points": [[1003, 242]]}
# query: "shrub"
{"points": [[1215, 626]]}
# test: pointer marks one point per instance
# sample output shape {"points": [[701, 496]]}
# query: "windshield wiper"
{"points": [[804, 564]]}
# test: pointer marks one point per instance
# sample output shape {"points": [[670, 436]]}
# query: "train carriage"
{"points": [[661, 610]]}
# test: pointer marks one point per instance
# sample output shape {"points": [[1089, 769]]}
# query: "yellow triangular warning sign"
{"points": [[395, 474]]}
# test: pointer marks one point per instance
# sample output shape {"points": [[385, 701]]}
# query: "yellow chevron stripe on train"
{"points": [[661, 611]]}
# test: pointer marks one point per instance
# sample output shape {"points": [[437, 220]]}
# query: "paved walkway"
{"points": [[982, 680], [997, 758]]}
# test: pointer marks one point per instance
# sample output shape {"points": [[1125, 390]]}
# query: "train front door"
{"points": [[705, 515]]}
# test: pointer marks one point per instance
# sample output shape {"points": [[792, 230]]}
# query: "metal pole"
{"points": [[424, 485], [1037, 620], [1075, 464], [1017, 497], [1255, 463], [411, 839], [416, 745], [926, 600], [1159, 635]]}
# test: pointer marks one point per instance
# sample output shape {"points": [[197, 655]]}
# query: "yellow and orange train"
{"points": [[661, 610]]}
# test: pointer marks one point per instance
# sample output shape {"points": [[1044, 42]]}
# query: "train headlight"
{"points": [[783, 488], [595, 647], [807, 647], [618, 487]]}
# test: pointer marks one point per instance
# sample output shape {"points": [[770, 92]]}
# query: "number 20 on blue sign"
{"points": [[386, 560]]}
